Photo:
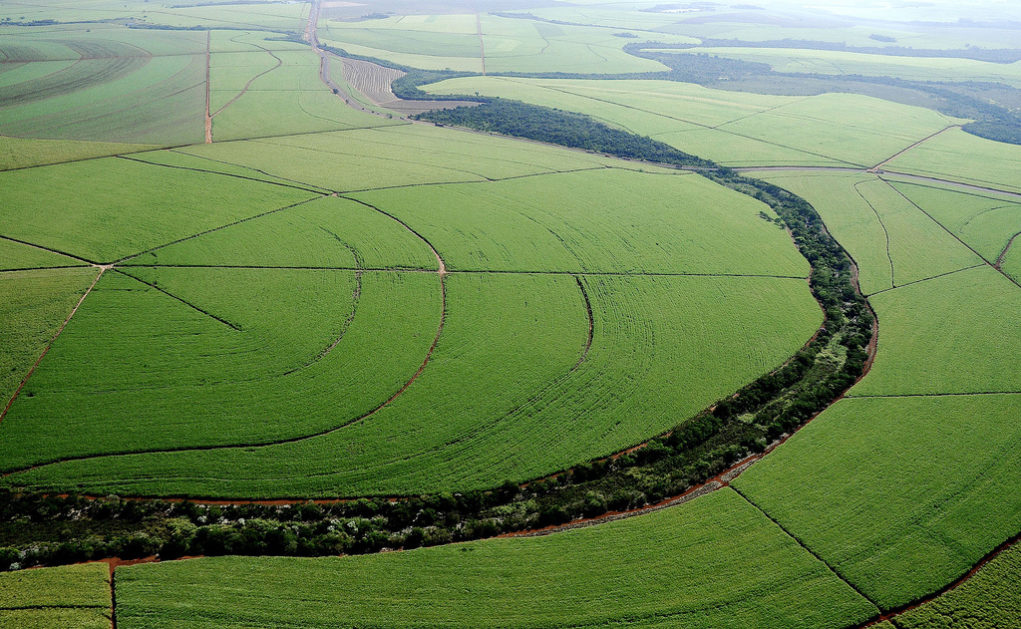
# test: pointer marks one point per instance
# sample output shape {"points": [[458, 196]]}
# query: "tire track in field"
{"points": [[441, 273], [1003, 254], [279, 61], [926, 279], [21, 385], [355, 297], [50, 249], [952, 234], [857, 190], [808, 549]]}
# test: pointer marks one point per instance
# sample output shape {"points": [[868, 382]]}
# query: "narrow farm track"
{"points": [[952, 234], [857, 190], [216, 172], [244, 89], [878, 167], [482, 41], [21, 385], [1003, 254], [215, 229], [181, 300], [209, 118], [925, 279]]}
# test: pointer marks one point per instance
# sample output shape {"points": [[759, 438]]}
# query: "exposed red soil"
{"points": [[893, 613]]}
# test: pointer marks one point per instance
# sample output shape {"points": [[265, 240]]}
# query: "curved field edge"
{"points": [[399, 454], [641, 572]]}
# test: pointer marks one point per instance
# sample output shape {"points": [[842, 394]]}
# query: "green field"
{"points": [[955, 351], [732, 128], [960, 156], [75, 597], [990, 599], [438, 435], [34, 305], [886, 490], [891, 238], [683, 224], [178, 203], [221, 280], [88, 99], [842, 62], [985, 221], [439, 42], [715, 562]]}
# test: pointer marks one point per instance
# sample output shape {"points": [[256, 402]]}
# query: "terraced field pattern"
{"points": [[252, 308]]}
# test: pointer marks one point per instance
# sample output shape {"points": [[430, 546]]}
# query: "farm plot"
{"points": [[276, 93], [404, 155], [960, 156], [990, 599], [597, 221], [325, 233], [838, 62], [72, 207], [732, 128], [985, 221], [75, 597], [176, 358], [494, 44], [899, 495], [893, 241], [33, 305], [114, 92], [641, 572], [513, 390], [970, 343], [22, 152]]}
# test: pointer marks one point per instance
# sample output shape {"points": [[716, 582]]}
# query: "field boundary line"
{"points": [[302, 185], [182, 300], [21, 385], [926, 279], [879, 166], [221, 227], [955, 236], [808, 549], [893, 282], [50, 249], [216, 172], [693, 123]]}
